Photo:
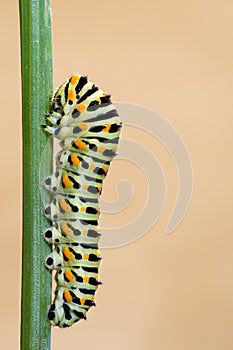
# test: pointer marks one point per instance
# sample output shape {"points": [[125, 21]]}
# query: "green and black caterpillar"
{"points": [[88, 125]]}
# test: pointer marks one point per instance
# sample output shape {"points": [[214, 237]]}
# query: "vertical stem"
{"points": [[36, 70]]}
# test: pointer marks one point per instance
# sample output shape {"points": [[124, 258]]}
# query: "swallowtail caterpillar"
{"points": [[88, 126]]}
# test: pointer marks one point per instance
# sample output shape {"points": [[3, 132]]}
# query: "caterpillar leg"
{"points": [[50, 129]]}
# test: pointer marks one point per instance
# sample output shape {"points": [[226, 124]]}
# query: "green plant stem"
{"points": [[37, 85]]}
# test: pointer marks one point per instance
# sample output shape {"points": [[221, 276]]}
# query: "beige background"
{"points": [[162, 292]]}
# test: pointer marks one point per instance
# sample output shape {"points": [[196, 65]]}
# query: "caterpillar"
{"points": [[88, 126]]}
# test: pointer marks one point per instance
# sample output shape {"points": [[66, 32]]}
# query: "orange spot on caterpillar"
{"points": [[83, 126], [82, 301], [85, 232], [83, 209], [74, 79], [67, 296], [71, 95], [105, 169], [85, 256], [92, 167], [101, 149], [69, 275], [68, 254], [66, 229], [84, 187], [64, 205], [81, 108], [80, 144], [107, 127], [66, 181], [86, 279], [75, 160]]}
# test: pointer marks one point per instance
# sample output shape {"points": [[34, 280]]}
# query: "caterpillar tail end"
{"points": [[61, 315]]}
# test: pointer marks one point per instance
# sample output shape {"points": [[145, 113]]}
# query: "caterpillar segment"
{"points": [[83, 231], [88, 126]]}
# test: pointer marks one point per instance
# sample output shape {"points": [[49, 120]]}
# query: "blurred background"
{"points": [[161, 292]]}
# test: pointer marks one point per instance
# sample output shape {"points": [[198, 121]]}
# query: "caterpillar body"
{"points": [[88, 126]]}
